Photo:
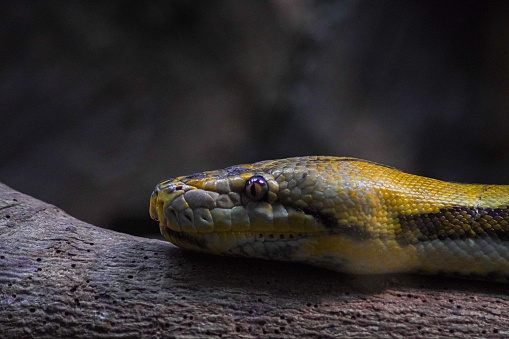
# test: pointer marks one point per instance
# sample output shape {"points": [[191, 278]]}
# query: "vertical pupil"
{"points": [[253, 190]]}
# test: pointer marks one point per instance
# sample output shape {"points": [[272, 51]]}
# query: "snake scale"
{"points": [[346, 214]]}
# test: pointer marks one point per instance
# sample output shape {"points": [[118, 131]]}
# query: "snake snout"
{"points": [[183, 208], [153, 205], [156, 200]]}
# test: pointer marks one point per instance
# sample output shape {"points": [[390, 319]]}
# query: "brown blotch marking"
{"points": [[194, 176], [219, 174], [362, 160], [331, 223], [458, 222]]}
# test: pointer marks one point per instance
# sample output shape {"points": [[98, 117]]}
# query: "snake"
{"points": [[350, 215]]}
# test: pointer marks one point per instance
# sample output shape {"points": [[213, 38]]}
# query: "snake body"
{"points": [[346, 214]]}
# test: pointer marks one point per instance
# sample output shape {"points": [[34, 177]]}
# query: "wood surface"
{"points": [[61, 277]]}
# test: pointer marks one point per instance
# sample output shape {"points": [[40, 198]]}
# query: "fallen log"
{"points": [[61, 277]]}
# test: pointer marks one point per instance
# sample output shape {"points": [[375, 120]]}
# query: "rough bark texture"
{"points": [[61, 277]]}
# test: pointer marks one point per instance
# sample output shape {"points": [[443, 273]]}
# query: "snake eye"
{"points": [[256, 188]]}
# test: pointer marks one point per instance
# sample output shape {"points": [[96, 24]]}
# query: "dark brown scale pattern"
{"points": [[458, 222]]}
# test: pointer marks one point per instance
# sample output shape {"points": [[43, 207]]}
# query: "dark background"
{"points": [[100, 101]]}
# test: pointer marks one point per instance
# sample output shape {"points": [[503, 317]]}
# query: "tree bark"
{"points": [[61, 277]]}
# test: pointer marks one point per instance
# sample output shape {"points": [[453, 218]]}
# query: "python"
{"points": [[345, 214]]}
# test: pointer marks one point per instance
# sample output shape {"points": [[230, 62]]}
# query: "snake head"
{"points": [[245, 210]]}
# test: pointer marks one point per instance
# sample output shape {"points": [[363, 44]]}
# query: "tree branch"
{"points": [[61, 277]]}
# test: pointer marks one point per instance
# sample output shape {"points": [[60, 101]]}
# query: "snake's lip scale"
{"points": [[355, 216]]}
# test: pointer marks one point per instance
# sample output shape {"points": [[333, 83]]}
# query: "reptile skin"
{"points": [[346, 214]]}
